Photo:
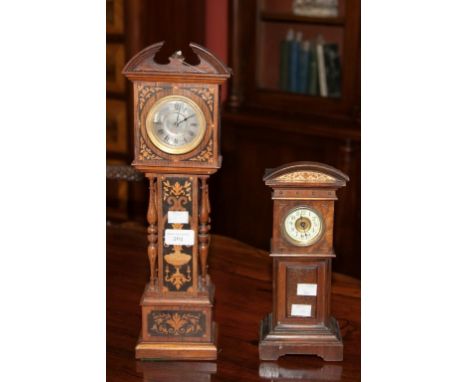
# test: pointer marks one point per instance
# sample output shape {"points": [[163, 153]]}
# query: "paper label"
{"points": [[179, 237], [301, 310], [307, 289], [177, 217]]}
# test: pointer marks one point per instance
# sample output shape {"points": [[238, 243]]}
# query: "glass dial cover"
{"points": [[175, 124], [302, 226]]}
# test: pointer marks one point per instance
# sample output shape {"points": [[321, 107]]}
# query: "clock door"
{"points": [[300, 292]]}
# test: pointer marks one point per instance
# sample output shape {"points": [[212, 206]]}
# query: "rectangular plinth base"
{"points": [[324, 342], [203, 351]]}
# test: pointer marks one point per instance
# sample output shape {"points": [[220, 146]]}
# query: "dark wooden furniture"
{"points": [[243, 296], [117, 118], [257, 28], [176, 146], [131, 26], [255, 136], [119, 178], [304, 195], [123, 172], [265, 127]]}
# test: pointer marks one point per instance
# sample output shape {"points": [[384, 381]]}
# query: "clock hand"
{"points": [[190, 116], [303, 226]]}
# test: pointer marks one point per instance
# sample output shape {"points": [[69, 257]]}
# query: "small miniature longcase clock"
{"points": [[302, 249], [176, 139]]}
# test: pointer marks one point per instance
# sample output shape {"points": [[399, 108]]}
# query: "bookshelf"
{"points": [[264, 126], [284, 17], [258, 29]]}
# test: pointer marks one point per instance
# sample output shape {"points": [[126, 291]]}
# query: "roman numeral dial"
{"points": [[176, 124]]}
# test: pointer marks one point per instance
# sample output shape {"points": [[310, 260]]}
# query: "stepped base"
{"points": [[202, 351], [324, 341]]}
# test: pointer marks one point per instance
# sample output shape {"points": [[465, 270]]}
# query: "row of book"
{"points": [[309, 66]]}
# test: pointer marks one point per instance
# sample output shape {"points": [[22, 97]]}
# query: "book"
{"points": [[316, 8], [293, 63], [332, 69], [285, 47], [321, 67], [313, 86], [304, 67]]}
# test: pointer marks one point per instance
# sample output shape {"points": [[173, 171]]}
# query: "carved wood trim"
{"points": [[152, 218], [204, 228], [143, 65], [123, 172]]}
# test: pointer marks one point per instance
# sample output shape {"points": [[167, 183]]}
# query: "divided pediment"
{"points": [[143, 65]]}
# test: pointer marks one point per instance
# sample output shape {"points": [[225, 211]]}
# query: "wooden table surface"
{"points": [[242, 275]]}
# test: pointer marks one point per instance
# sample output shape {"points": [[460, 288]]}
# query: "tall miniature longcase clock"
{"points": [[176, 136], [303, 196]]}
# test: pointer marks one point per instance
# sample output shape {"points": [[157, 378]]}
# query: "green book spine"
{"points": [[284, 57], [313, 72]]}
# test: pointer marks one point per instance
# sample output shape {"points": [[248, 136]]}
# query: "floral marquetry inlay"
{"points": [[206, 154], [174, 323], [146, 153], [206, 94], [176, 129], [177, 190], [145, 92], [306, 177], [178, 259]]}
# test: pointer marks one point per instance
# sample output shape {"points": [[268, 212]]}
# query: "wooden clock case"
{"points": [[177, 302], [312, 185]]}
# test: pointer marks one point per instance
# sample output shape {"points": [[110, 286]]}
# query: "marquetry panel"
{"points": [[177, 263], [175, 323], [205, 96], [172, 323]]}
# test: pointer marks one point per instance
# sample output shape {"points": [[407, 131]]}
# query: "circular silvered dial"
{"points": [[302, 226], [175, 124]]}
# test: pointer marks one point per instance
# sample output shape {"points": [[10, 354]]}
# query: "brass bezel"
{"points": [[303, 243], [162, 145]]}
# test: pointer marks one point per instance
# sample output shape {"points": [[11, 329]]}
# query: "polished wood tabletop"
{"points": [[242, 275]]}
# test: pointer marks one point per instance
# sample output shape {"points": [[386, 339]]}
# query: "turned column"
{"points": [[236, 58], [204, 228], [152, 218]]}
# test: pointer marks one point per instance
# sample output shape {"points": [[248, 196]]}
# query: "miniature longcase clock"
{"points": [[302, 249], [176, 135]]}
